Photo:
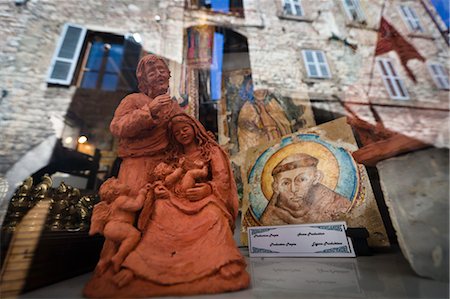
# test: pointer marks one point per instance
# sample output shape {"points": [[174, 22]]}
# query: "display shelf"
{"points": [[383, 275]]}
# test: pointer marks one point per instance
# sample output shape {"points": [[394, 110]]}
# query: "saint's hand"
{"points": [[199, 191], [156, 105]]}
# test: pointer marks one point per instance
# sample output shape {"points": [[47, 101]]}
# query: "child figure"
{"points": [[180, 178], [114, 217]]}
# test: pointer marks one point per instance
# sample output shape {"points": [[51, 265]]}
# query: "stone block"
{"points": [[416, 190]]}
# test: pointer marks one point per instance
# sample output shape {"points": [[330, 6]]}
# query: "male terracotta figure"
{"points": [[140, 122], [186, 245]]}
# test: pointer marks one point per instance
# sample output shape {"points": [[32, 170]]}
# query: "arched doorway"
{"points": [[212, 55]]}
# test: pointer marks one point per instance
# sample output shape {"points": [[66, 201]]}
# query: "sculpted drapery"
{"points": [[186, 243]]}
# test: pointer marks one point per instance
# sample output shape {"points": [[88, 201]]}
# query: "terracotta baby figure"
{"points": [[181, 178], [186, 223], [114, 217]]}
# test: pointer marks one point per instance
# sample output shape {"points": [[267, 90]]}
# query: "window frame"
{"points": [[317, 64], [103, 69], [391, 78], [292, 6], [411, 18], [235, 7], [357, 7], [443, 75]]}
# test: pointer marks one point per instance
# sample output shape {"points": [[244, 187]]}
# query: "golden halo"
{"points": [[327, 164]]}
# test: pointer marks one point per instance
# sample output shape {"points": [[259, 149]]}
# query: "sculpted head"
{"points": [[111, 189], [183, 130], [161, 171], [294, 177], [153, 75]]}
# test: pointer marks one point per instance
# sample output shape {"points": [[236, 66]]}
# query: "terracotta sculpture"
{"points": [[186, 174], [140, 122], [114, 218], [181, 182]]}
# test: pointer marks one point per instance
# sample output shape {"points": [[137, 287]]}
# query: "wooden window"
{"points": [[392, 81], [353, 10], [411, 18], [103, 65], [225, 6], [440, 75], [66, 54], [292, 8], [109, 61], [316, 64]]}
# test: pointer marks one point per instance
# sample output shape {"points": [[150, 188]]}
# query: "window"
{"points": [[316, 64], [440, 75], [292, 8], [104, 61], [411, 18], [353, 10], [103, 66], [392, 81], [225, 6]]}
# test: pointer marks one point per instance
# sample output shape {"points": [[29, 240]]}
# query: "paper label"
{"points": [[303, 240]]}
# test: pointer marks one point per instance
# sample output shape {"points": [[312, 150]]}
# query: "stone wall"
{"points": [[32, 111], [275, 54]]}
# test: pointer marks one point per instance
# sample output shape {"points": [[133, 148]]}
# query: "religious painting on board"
{"points": [[310, 177], [250, 117]]}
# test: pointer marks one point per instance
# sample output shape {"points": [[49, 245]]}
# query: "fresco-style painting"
{"points": [[255, 116], [308, 178], [250, 117]]}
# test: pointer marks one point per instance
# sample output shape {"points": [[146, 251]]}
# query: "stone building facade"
{"points": [[32, 112]]}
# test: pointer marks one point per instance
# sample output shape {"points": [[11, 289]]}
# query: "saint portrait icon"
{"points": [[303, 179], [299, 197]]}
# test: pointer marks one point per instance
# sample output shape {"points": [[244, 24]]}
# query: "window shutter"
{"points": [[66, 54], [316, 64], [392, 81], [287, 7], [440, 76], [415, 20], [411, 18], [353, 10], [292, 7], [298, 8]]}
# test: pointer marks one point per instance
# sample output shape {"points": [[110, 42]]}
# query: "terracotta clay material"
{"points": [[176, 184]]}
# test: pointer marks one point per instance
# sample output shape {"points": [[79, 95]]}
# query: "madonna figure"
{"points": [[186, 224]]}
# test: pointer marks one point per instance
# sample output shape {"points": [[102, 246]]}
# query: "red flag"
{"points": [[390, 40]]}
